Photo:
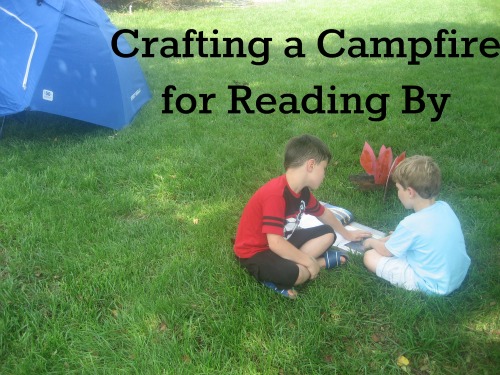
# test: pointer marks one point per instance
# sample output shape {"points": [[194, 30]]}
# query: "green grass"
{"points": [[115, 248]]}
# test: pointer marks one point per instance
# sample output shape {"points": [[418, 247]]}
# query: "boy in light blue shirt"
{"points": [[427, 250]]}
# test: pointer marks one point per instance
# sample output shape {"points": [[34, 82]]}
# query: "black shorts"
{"points": [[269, 266]]}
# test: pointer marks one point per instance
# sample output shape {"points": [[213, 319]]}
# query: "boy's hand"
{"points": [[378, 245], [313, 268], [357, 235], [366, 244]]}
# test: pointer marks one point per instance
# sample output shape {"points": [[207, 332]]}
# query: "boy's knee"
{"points": [[370, 260], [304, 275], [330, 238], [367, 256]]}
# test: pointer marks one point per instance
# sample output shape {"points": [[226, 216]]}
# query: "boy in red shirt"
{"points": [[269, 241]]}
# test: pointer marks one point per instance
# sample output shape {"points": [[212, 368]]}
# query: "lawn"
{"points": [[115, 247]]}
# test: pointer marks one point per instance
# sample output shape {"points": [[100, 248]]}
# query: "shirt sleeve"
{"points": [[400, 241], [314, 207], [273, 215]]}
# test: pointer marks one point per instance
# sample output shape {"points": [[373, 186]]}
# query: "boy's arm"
{"points": [[286, 250], [378, 245], [352, 235]]}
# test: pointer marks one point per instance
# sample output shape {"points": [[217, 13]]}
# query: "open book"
{"points": [[347, 219]]}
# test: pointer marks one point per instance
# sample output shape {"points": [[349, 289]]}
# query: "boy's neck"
{"points": [[422, 203], [295, 179]]}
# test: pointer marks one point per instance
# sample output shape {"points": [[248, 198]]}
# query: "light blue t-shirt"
{"points": [[433, 244]]}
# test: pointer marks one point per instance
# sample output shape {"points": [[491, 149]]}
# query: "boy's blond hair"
{"points": [[303, 148], [420, 173]]}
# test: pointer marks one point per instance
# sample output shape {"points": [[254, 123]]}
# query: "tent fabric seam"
{"points": [[33, 46]]}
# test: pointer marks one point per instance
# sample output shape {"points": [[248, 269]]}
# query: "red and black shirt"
{"points": [[273, 209]]}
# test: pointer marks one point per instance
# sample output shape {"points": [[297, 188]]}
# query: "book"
{"points": [[347, 219]]}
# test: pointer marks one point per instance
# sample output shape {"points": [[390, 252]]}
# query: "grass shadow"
{"points": [[38, 126]]}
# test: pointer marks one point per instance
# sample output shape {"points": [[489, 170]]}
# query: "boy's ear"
{"points": [[411, 191], [310, 164]]}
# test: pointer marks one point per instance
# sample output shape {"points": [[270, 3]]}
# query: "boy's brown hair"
{"points": [[303, 148], [420, 173]]}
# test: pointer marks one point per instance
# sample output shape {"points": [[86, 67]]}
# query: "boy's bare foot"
{"points": [[292, 293]]}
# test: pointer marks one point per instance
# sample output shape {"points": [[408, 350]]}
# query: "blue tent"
{"points": [[56, 57]]}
